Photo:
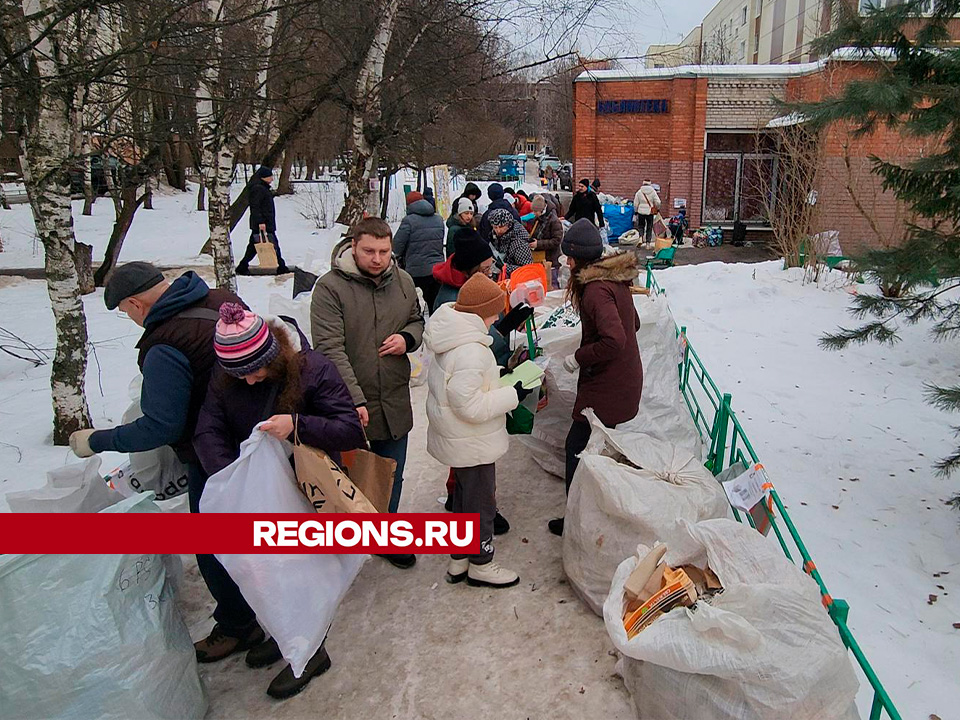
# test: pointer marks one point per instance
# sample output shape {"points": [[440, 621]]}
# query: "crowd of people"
{"points": [[213, 370]]}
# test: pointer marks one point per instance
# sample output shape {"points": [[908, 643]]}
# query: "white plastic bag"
{"points": [[298, 309], [613, 507], [96, 636], [295, 597], [763, 649], [74, 488]]}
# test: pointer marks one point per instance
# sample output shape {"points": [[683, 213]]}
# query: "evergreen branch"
{"points": [[871, 332], [947, 399]]}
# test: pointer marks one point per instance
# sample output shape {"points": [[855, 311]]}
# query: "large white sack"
{"points": [[74, 488], [298, 309], [763, 649], [295, 597], [663, 413], [96, 636], [612, 507]]}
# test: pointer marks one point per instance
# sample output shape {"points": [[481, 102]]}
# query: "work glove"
{"points": [[80, 443], [570, 364], [522, 392], [513, 319]]}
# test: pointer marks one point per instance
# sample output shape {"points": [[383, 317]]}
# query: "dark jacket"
{"points": [[418, 244], [611, 374], [176, 358], [326, 418], [454, 228], [497, 202], [261, 206], [469, 189], [586, 205], [548, 232], [351, 314], [513, 247], [451, 280]]}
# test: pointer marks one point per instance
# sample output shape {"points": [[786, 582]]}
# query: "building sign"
{"points": [[624, 107]]}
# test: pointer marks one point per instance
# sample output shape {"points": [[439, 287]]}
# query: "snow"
{"points": [[846, 437]]}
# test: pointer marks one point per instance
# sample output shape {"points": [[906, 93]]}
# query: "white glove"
{"points": [[80, 443], [570, 364]]}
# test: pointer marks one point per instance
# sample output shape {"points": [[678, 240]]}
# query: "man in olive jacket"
{"points": [[365, 317]]}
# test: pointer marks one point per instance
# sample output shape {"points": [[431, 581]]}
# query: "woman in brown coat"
{"points": [[608, 359], [547, 232]]}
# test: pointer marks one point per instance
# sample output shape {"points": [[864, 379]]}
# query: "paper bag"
{"points": [[325, 485], [266, 253], [372, 474]]}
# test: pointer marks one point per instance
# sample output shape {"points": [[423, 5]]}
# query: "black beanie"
{"points": [[495, 191], [469, 250], [264, 172], [582, 241], [585, 181]]}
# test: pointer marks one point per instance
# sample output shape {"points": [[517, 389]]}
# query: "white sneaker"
{"points": [[457, 570], [491, 575]]}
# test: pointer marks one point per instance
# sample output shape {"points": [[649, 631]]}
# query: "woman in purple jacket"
{"points": [[269, 373]]}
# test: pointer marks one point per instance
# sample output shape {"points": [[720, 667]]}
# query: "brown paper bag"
{"points": [[372, 474], [266, 253], [325, 485]]}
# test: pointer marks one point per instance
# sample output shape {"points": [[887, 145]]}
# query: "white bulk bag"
{"points": [[613, 507], [763, 649], [96, 636], [75, 488], [294, 596]]}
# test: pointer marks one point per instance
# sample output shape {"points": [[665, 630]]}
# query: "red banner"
{"points": [[176, 533]]}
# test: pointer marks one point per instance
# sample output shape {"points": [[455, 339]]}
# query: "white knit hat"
{"points": [[464, 204]]}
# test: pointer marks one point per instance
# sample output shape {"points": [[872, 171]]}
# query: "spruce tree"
{"points": [[916, 92]]}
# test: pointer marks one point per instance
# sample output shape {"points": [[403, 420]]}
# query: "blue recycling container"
{"points": [[620, 218]]}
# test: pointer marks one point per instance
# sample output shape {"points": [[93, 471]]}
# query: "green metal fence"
{"points": [[718, 425]]}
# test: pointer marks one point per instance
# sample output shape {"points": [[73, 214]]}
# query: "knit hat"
{"points": [[538, 204], [582, 241], [469, 250], [129, 280], [481, 296], [264, 172], [585, 181], [471, 189], [243, 341], [413, 196], [464, 204], [500, 217], [495, 191]]}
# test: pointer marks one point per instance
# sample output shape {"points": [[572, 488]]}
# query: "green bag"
{"points": [[520, 421]]}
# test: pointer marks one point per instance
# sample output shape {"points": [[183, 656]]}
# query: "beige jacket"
{"points": [[646, 201], [351, 315]]}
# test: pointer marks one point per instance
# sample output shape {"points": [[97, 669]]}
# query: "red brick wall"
{"points": [[623, 149]]}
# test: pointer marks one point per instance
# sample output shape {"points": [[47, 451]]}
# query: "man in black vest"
{"points": [[263, 220], [176, 358]]}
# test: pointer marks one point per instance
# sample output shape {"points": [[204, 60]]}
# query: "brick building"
{"points": [[701, 133]]}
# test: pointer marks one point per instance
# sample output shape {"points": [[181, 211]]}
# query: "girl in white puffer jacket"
{"points": [[467, 410]]}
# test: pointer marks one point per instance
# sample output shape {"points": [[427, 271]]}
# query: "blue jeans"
{"points": [[232, 614], [395, 450]]}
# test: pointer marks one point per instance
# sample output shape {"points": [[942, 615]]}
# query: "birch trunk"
{"points": [[47, 143], [366, 109], [89, 196]]}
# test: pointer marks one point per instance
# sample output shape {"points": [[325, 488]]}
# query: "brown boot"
{"points": [[218, 645]]}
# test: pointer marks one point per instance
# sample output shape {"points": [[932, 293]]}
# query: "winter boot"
{"points": [[491, 575], [556, 526], [448, 503], [399, 561], [500, 524], [218, 645], [266, 653], [457, 570], [286, 685]]}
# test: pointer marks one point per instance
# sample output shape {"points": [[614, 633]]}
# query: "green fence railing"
{"points": [[718, 425]]}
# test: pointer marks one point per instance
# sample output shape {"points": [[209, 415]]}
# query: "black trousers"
{"points": [[430, 287], [251, 251], [645, 226], [232, 613], [576, 443], [475, 491]]}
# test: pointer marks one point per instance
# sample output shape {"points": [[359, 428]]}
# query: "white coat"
{"points": [[646, 201], [466, 406]]}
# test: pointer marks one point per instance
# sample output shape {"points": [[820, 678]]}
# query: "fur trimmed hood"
{"points": [[618, 267]]}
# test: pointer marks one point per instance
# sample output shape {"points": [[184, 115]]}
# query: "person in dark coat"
{"points": [[263, 220], [510, 240], [472, 192], [267, 372], [418, 244], [585, 205], [460, 222], [176, 358], [547, 232], [610, 377], [428, 196], [497, 202]]}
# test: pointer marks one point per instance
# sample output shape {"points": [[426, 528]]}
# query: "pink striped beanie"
{"points": [[243, 341]]}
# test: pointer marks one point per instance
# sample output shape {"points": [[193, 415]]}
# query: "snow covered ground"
{"points": [[846, 437]]}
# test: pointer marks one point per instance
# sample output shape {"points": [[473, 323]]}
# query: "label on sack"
{"points": [[746, 490]]}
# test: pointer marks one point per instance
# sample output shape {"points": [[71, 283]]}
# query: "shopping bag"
{"points": [[324, 484], [295, 597], [266, 253], [372, 474]]}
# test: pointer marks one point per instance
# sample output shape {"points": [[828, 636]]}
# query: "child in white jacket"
{"points": [[467, 410]]}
